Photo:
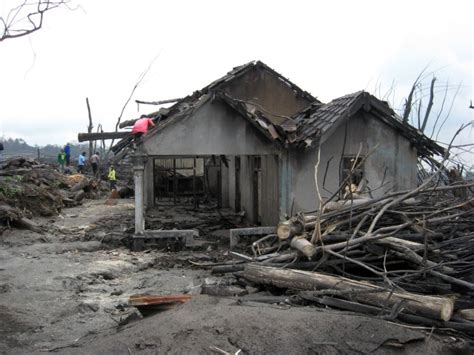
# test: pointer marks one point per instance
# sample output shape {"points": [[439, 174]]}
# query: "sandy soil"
{"points": [[66, 290]]}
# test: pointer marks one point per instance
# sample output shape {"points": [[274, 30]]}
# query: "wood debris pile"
{"points": [[29, 188], [408, 256]]}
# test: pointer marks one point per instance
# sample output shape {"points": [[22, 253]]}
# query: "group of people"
{"points": [[141, 126], [64, 161]]}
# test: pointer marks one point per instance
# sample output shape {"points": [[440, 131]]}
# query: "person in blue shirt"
{"points": [[81, 163], [67, 150]]}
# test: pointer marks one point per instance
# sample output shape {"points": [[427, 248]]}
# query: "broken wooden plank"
{"points": [[148, 300]]}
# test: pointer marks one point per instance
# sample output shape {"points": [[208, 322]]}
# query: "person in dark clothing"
{"points": [[67, 151]]}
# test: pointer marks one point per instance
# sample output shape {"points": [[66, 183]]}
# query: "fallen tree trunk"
{"points": [[83, 137], [363, 292]]}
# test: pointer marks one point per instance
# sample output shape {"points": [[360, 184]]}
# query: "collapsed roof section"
{"points": [[284, 113]]}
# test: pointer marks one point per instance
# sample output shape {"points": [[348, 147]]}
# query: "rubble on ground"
{"points": [[29, 188]]}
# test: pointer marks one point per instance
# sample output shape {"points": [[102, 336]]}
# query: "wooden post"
{"points": [[90, 127]]}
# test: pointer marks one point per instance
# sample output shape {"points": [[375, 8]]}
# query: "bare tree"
{"points": [[27, 17]]}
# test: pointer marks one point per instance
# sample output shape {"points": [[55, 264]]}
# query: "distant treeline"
{"points": [[18, 147]]}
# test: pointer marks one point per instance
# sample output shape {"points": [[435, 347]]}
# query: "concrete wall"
{"points": [[394, 157], [149, 185], [214, 128], [270, 191], [247, 187], [225, 185], [231, 182]]}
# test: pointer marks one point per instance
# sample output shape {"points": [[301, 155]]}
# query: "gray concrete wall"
{"points": [[270, 191], [396, 154], [214, 128], [393, 157], [148, 184], [224, 185], [231, 182], [247, 187]]}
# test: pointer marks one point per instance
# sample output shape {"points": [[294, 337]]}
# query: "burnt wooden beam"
{"points": [[160, 102], [83, 137], [128, 123]]}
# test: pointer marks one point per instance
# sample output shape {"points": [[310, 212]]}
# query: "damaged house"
{"points": [[252, 139]]}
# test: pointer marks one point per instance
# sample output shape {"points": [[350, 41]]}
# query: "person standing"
{"points": [[61, 160], [67, 151], [112, 178], [95, 160], [141, 126], [81, 163]]}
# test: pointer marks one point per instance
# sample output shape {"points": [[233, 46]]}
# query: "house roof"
{"points": [[193, 99], [274, 125], [317, 120], [303, 128]]}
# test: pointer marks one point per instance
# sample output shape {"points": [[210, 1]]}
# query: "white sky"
{"points": [[329, 48]]}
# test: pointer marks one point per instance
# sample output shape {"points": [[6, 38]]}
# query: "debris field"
{"points": [[386, 275]]}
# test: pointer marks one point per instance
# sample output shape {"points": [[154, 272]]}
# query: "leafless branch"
{"points": [[27, 18], [137, 84]]}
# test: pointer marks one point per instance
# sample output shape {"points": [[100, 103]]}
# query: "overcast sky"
{"points": [[329, 48]]}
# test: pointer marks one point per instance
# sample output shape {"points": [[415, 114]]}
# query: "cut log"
{"points": [[363, 292], [289, 228], [83, 137], [467, 314], [303, 245]]}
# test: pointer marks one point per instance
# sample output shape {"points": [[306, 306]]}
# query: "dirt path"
{"points": [[58, 287], [66, 291]]}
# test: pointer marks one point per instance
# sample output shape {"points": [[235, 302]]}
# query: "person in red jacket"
{"points": [[141, 126]]}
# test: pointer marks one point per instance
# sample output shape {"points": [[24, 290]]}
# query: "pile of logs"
{"points": [[406, 256]]}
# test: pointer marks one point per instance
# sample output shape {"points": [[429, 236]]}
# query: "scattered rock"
{"points": [[131, 317], [86, 307]]}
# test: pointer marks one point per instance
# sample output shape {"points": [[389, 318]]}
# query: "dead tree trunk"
{"points": [[91, 126], [81, 137], [363, 292]]}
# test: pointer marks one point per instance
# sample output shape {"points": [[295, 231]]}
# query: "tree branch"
{"points": [[26, 18]]}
